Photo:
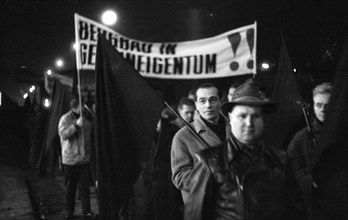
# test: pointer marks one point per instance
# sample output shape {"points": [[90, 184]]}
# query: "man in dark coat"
{"points": [[243, 178], [304, 149]]}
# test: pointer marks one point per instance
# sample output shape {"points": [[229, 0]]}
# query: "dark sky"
{"points": [[35, 33]]}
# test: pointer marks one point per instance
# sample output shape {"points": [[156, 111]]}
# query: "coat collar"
{"points": [[316, 126], [199, 124], [207, 134]]}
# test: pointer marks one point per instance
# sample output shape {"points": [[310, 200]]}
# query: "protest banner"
{"points": [[229, 54]]}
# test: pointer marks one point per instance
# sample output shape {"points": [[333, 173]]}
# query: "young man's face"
{"points": [[208, 104], [247, 123], [321, 102], [187, 112], [76, 110]]}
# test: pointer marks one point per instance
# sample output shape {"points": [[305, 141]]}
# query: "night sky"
{"points": [[35, 33]]}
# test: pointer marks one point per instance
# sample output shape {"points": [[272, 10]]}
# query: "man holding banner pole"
{"points": [[211, 129], [74, 131]]}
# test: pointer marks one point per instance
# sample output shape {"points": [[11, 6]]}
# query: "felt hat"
{"points": [[249, 93]]}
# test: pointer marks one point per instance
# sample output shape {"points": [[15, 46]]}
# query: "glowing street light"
{"points": [[59, 63], [25, 95], [265, 66], [49, 72], [32, 88], [109, 17], [47, 103]]}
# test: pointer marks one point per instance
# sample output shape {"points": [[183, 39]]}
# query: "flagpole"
{"points": [[310, 129], [255, 66], [188, 126], [78, 67], [78, 59]]}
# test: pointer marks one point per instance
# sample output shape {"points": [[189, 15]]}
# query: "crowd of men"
{"points": [[210, 160]]}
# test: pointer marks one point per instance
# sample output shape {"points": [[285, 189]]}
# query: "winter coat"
{"points": [[184, 147], [262, 190], [303, 155], [75, 141]]}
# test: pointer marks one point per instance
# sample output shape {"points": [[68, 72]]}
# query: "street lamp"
{"points": [[59, 63], [49, 72], [109, 17], [32, 88], [46, 103], [265, 66]]}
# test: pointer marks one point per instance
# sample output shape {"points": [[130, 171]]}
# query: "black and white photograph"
{"points": [[174, 110]]}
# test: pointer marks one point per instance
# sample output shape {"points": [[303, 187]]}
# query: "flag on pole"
{"points": [[286, 95], [127, 111], [60, 104]]}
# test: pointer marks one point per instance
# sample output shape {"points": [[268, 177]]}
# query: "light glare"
{"points": [[59, 63], [49, 72], [32, 88], [109, 17], [46, 103], [265, 66]]}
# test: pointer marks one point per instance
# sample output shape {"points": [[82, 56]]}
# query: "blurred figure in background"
{"points": [[75, 136], [304, 148], [231, 90]]}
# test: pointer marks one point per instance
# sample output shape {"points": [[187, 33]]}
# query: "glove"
{"points": [[79, 122]]}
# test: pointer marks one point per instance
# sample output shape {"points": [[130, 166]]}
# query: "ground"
{"points": [[24, 195]]}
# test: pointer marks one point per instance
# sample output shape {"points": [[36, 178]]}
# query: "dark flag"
{"points": [[282, 123], [330, 173], [127, 111], [60, 104]]}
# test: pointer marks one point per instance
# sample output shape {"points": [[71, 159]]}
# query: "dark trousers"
{"points": [[77, 175]]}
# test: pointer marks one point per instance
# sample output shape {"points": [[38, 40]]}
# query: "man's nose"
{"points": [[324, 108], [207, 103], [248, 121]]}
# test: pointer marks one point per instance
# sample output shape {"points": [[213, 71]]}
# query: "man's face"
{"points": [[321, 102], [247, 123], [208, 104], [187, 112], [76, 110], [230, 93]]}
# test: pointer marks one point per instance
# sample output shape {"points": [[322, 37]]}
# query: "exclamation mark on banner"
{"points": [[235, 41], [250, 40]]}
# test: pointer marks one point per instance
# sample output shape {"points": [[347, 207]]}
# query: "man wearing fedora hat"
{"points": [[243, 178]]}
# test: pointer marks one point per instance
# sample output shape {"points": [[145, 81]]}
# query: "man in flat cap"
{"points": [[243, 178]]}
